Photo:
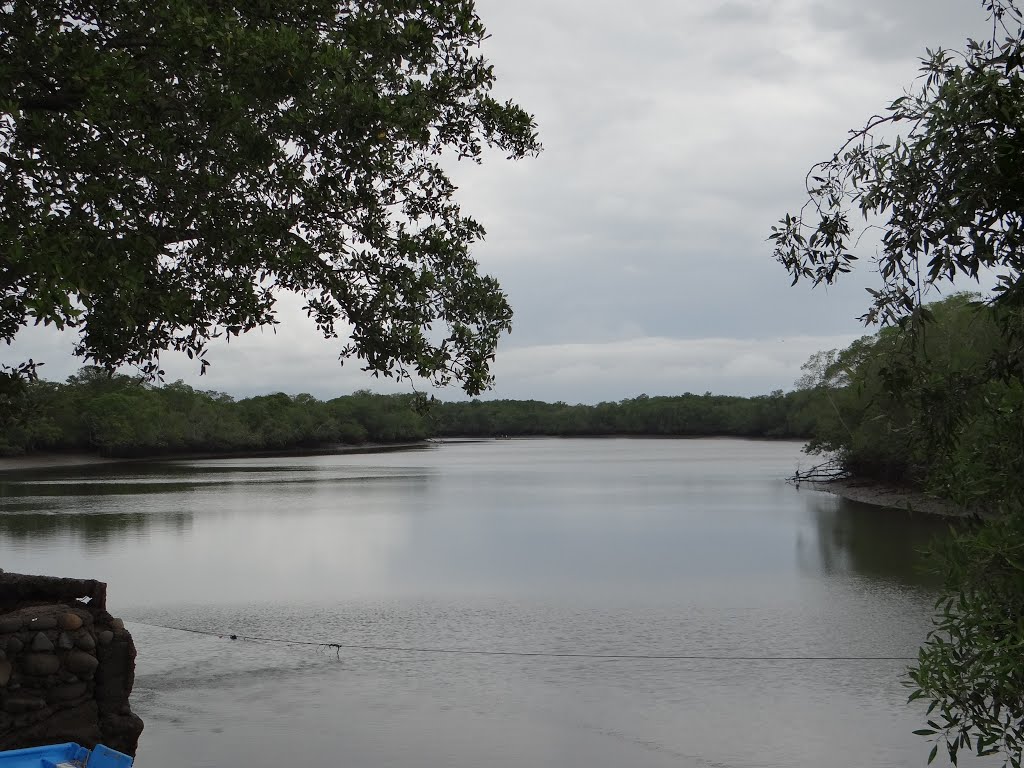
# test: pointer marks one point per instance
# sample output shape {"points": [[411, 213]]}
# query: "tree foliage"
{"points": [[938, 176], [941, 443], [121, 416], [167, 169], [776, 415]]}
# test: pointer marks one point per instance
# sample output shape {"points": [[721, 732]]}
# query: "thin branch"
{"points": [[52, 102]]}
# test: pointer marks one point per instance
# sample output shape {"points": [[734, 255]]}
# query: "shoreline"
{"points": [[52, 461], [892, 497], [67, 460]]}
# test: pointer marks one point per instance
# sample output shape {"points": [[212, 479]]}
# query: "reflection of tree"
{"points": [[71, 488], [138, 478], [91, 529], [877, 542]]}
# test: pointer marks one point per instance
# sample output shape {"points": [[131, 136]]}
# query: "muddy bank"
{"points": [[58, 460], [868, 492], [51, 460]]}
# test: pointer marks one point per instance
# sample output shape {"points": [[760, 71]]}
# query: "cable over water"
{"points": [[519, 653]]}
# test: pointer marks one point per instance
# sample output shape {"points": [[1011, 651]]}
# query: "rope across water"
{"points": [[530, 654]]}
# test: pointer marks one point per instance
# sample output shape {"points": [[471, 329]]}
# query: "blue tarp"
{"points": [[60, 755]]}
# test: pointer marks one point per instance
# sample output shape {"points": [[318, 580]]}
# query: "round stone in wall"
{"points": [[40, 664], [41, 623], [70, 622], [81, 663], [41, 643]]}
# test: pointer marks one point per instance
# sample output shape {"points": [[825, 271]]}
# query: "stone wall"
{"points": [[66, 666]]}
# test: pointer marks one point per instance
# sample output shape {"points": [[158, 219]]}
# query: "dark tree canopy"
{"points": [[167, 169], [119, 416], [940, 176]]}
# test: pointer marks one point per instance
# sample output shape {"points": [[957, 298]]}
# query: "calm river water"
{"points": [[690, 548]]}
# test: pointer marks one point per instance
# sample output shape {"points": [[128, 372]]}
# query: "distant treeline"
{"points": [[844, 406], [777, 415], [121, 416]]}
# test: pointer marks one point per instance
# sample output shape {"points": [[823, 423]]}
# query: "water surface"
{"points": [[632, 547]]}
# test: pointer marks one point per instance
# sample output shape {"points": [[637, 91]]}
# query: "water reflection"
{"points": [[170, 478], [72, 515], [852, 538], [607, 546], [77, 489], [91, 530], [532, 517]]}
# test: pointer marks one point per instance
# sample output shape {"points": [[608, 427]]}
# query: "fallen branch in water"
{"points": [[832, 469]]}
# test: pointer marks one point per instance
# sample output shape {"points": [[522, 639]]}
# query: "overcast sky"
{"points": [[634, 249]]}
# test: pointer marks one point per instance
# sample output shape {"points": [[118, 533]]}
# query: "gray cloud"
{"points": [[676, 132], [881, 28], [658, 366], [295, 360]]}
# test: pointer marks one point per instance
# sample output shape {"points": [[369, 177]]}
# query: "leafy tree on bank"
{"points": [[167, 169], [882, 435], [939, 176], [121, 416]]}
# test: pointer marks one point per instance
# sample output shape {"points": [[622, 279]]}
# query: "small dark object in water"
{"points": [[234, 637]]}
